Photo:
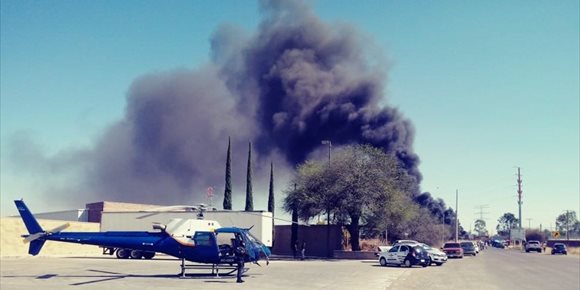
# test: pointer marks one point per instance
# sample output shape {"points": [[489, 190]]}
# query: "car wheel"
{"points": [[383, 261], [136, 254], [407, 263], [148, 255], [428, 262], [123, 253]]}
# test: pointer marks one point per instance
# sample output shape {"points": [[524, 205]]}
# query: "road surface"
{"points": [[492, 269], [499, 269]]}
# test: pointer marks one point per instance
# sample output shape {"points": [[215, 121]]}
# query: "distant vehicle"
{"points": [[453, 250], [407, 255], [533, 245], [497, 244], [468, 248], [559, 248]]}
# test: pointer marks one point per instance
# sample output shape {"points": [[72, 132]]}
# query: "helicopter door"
{"points": [[206, 245]]}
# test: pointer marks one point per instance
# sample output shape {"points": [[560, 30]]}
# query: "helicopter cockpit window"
{"points": [[202, 238]]}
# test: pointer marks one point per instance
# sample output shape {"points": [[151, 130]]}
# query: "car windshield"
{"points": [[426, 247], [559, 246], [466, 245], [534, 242], [451, 245]]}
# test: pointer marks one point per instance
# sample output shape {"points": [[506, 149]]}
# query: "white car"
{"points": [[407, 255], [533, 245], [435, 255], [381, 249]]}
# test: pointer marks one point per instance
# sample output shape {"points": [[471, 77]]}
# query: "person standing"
{"points": [[303, 251], [544, 247], [240, 259], [295, 250]]}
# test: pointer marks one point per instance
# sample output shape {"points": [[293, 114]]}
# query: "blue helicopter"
{"points": [[199, 241]]}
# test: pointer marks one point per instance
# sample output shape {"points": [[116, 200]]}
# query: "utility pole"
{"points": [[529, 223], [481, 207], [328, 251], [456, 215], [520, 197], [567, 225]]}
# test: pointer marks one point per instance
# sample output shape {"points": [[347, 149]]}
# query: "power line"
{"points": [[481, 207]]}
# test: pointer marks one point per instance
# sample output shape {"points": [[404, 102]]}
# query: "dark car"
{"points": [[497, 244], [559, 248], [468, 248]]}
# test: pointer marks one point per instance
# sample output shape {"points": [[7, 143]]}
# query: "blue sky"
{"points": [[489, 85]]}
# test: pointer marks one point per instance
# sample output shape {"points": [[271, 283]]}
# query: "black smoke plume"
{"points": [[294, 82]]}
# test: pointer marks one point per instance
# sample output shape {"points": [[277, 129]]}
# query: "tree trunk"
{"points": [[294, 232], [353, 229]]}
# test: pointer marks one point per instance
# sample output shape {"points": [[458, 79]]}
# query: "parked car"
{"points": [[407, 255], [453, 250], [435, 255], [533, 245], [406, 242], [498, 244], [382, 249], [559, 248], [468, 248]]}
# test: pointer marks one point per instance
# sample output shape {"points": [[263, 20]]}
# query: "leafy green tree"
{"points": [[480, 227], [568, 220], [249, 194], [506, 222], [228, 188], [362, 185]]}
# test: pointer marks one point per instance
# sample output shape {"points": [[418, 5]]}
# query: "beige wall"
{"points": [[11, 243]]}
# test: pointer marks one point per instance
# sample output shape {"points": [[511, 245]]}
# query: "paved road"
{"points": [[498, 269], [49, 273], [492, 269]]}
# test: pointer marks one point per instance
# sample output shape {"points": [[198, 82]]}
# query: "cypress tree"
{"points": [[228, 190], [249, 196], [271, 204]]}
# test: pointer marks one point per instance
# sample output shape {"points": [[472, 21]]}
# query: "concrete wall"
{"points": [[349, 255], [314, 236], [568, 243], [11, 244]]}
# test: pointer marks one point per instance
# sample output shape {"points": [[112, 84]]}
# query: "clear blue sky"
{"points": [[489, 85]]}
